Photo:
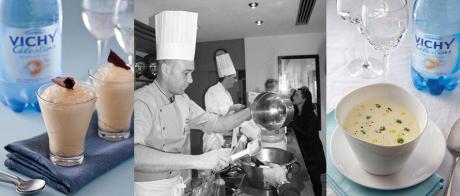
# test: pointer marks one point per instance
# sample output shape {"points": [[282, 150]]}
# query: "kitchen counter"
{"points": [[299, 177]]}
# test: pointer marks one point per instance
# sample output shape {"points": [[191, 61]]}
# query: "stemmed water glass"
{"points": [[365, 67], [384, 25], [98, 19], [124, 27]]}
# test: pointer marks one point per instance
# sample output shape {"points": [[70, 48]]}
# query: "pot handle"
{"points": [[291, 169]]}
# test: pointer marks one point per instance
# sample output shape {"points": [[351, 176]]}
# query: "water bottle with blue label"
{"points": [[435, 62], [30, 50]]}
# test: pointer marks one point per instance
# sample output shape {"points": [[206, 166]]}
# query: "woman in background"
{"points": [[306, 127], [271, 85]]}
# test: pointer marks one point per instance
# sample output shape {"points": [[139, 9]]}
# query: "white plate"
{"points": [[423, 162]]}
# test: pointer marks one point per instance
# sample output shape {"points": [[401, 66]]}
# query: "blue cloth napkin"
{"points": [[31, 158], [344, 186]]}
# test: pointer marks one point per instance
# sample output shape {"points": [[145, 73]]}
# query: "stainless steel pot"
{"points": [[151, 71], [272, 111], [139, 68], [267, 155]]}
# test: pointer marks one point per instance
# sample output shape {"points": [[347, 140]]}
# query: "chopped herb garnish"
{"points": [[406, 129], [390, 109], [368, 117], [400, 140], [363, 132], [398, 121], [378, 105], [382, 128]]}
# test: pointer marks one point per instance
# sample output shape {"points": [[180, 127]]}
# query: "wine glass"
{"points": [[124, 27], [365, 67], [98, 19], [384, 25]]}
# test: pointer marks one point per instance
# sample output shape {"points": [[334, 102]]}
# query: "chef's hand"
{"points": [[275, 175], [250, 130], [215, 159], [236, 108]]}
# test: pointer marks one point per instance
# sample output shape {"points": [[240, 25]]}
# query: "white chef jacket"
{"points": [[166, 126], [217, 101]]}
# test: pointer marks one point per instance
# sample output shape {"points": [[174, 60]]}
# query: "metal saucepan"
{"points": [[151, 71], [150, 66], [267, 155], [139, 68], [272, 111]]}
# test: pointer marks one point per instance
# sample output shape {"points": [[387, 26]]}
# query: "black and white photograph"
{"points": [[228, 98]]}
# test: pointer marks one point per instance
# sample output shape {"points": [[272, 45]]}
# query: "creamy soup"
{"points": [[381, 121]]}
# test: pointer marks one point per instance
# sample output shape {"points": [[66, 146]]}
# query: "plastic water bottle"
{"points": [[435, 62], [30, 49]]}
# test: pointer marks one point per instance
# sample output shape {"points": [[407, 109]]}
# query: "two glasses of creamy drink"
{"points": [[67, 107]]}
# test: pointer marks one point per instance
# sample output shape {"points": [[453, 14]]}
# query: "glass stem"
{"points": [[101, 48], [386, 61], [131, 61], [366, 57]]}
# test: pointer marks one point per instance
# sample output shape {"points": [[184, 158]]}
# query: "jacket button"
{"points": [[163, 128], [161, 110]]}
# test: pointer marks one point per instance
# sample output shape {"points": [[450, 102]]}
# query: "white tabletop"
{"points": [[78, 54], [344, 43]]}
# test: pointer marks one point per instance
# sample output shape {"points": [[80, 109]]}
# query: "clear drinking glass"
{"points": [[124, 27], [114, 106], [384, 25], [98, 19], [365, 67], [67, 124]]}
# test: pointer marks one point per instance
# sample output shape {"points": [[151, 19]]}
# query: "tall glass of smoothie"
{"points": [[66, 108], [114, 83]]}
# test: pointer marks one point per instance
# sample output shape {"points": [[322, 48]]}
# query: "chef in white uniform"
{"points": [[219, 101], [164, 114]]}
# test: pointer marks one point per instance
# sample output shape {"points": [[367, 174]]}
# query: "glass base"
{"points": [[113, 136], [357, 68], [67, 161]]}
